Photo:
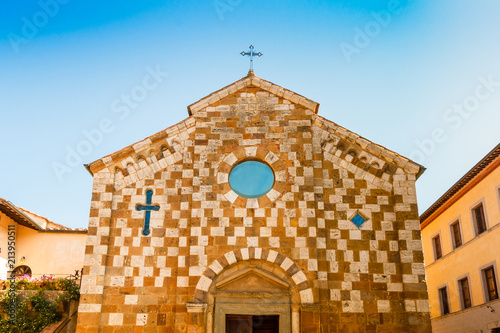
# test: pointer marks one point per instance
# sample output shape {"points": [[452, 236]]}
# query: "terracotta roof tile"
{"points": [[33, 220]]}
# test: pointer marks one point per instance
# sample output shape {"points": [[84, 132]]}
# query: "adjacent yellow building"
{"points": [[37, 246], [461, 239]]}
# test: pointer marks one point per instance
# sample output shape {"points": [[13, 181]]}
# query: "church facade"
{"points": [[331, 245]]}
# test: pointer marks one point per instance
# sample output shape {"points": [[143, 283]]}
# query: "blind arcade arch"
{"points": [[252, 282]]}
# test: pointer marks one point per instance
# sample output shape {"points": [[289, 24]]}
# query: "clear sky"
{"points": [[82, 79]]}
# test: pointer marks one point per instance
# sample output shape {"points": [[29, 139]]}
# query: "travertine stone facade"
{"points": [[318, 270]]}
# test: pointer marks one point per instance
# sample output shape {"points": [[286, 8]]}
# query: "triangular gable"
{"points": [[165, 147], [171, 132], [252, 280], [252, 80]]}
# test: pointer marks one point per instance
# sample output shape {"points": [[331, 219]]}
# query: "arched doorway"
{"points": [[253, 296]]}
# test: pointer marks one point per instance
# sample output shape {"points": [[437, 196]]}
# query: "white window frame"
{"points": [[497, 189], [462, 303], [452, 234], [441, 310], [473, 216], [483, 280], [437, 234]]}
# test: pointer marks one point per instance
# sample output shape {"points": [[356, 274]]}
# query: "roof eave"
{"points": [[251, 79], [480, 170], [421, 170], [22, 215], [63, 231], [87, 166]]}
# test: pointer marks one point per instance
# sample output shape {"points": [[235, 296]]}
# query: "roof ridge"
{"points": [[259, 83], [29, 212], [37, 215]]}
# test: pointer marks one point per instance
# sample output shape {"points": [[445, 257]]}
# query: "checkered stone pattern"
{"points": [[96, 249], [378, 267], [349, 277]]}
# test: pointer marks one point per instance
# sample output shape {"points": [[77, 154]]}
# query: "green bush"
{"points": [[32, 314], [35, 312]]}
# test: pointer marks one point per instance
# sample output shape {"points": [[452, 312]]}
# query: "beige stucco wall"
{"points": [[475, 251], [3, 246], [45, 252], [478, 319]]}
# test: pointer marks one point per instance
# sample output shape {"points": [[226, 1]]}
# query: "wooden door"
{"points": [[265, 324], [251, 324], [238, 323]]}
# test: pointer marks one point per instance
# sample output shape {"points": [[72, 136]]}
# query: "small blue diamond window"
{"points": [[358, 220]]}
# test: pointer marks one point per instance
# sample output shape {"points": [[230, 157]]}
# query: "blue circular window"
{"points": [[251, 179]]}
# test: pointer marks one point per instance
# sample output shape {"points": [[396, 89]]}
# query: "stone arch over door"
{"points": [[252, 281]]}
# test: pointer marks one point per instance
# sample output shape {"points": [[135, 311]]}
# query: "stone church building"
{"points": [[254, 214]]}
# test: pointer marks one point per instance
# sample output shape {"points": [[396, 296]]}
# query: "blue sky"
{"points": [[421, 78]]}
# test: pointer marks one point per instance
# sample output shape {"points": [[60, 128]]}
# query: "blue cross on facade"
{"points": [[251, 53], [148, 208]]}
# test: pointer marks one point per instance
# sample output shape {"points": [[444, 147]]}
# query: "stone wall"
{"points": [[347, 279]]}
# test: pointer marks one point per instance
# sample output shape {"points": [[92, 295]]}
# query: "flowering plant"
{"points": [[27, 282]]}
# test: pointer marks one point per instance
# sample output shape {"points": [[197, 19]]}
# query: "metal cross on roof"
{"points": [[251, 53]]}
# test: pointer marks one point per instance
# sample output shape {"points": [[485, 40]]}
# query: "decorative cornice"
{"points": [[478, 172], [354, 141], [165, 140]]}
